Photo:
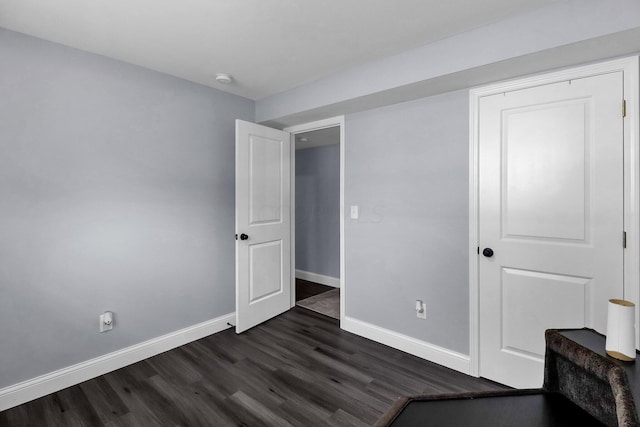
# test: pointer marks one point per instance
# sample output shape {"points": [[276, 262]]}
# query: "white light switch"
{"points": [[354, 212]]}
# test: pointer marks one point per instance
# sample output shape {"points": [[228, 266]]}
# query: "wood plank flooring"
{"points": [[306, 289], [298, 369]]}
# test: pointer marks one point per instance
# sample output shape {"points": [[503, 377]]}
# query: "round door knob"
{"points": [[488, 252], [243, 236]]}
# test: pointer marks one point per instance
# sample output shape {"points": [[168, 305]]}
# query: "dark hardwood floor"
{"points": [[297, 369], [306, 289]]}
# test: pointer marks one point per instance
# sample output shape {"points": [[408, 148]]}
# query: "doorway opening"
{"points": [[317, 232], [317, 220]]}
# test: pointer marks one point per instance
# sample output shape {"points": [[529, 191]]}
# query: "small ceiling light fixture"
{"points": [[224, 78], [303, 139]]}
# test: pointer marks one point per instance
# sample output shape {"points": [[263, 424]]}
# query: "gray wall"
{"points": [[116, 192], [406, 166], [318, 210]]}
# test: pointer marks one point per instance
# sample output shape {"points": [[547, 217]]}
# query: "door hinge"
{"points": [[624, 240], [624, 108], [478, 250]]}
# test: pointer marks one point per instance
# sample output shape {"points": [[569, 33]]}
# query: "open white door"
{"points": [[263, 224]]}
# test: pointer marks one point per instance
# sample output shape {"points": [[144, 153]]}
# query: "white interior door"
{"points": [[551, 209], [263, 224]]}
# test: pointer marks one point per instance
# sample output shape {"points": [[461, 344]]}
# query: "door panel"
{"points": [[546, 162], [524, 292], [551, 208], [263, 254], [265, 264], [266, 180]]}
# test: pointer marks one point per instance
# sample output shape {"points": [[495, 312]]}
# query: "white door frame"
{"points": [[630, 69], [308, 127]]}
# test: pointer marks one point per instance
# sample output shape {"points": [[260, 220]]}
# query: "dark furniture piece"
{"points": [[582, 387]]}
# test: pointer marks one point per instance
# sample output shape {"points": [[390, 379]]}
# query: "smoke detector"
{"points": [[224, 78]]}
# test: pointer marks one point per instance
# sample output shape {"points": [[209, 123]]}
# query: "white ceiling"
{"points": [[268, 46]]}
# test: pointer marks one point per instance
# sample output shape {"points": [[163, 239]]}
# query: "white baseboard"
{"points": [[26, 391], [318, 278], [433, 353]]}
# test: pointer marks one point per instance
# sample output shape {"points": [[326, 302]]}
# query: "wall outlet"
{"points": [[421, 309], [106, 321]]}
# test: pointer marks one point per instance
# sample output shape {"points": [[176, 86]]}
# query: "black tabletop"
{"points": [[531, 409], [534, 410]]}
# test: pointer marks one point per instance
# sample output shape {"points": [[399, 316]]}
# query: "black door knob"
{"points": [[243, 236], [488, 252]]}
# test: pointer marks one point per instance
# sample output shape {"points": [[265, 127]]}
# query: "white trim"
{"points": [[623, 64], [35, 388], [318, 278], [307, 127], [631, 187], [474, 297], [292, 215], [629, 67], [436, 354], [343, 253]]}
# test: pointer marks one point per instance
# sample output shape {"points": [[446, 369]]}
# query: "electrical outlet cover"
{"points": [[423, 313], [106, 321]]}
